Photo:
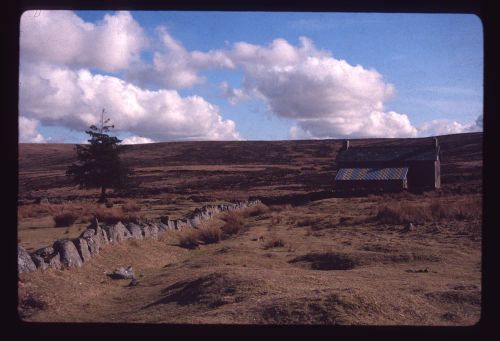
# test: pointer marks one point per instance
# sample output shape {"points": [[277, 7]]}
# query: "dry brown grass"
{"points": [[114, 215], [44, 210], [273, 242], [434, 210], [308, 221], [234, 222], [279, 208], [134, 243], [380, 277], [65, 219], [84, 210], [131, 206], [256, 210], [189, 238], [275, 220], [380, 291], [210, 234]]}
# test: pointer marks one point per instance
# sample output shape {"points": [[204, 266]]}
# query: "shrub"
{"points": [[234, 222], [65, 219], [256, 210], [210, 234], [189, 239], [114, 215]]}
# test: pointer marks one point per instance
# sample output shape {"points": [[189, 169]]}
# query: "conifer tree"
{"points": [[99, 164]]}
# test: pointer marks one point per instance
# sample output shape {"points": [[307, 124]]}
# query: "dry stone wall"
{"points": [[70, 253]]}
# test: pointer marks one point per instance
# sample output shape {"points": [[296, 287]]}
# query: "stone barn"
{"points": [[388, 167]]}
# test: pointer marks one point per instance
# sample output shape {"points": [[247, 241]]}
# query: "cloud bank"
{"points": [[57, 88], [74, 99], [323, 97], [28, 131], [63, 38], [136, 140]]}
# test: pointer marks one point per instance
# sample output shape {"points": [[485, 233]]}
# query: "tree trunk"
{"points": [[102, 199]]}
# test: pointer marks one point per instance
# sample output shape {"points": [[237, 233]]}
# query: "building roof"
{"points": [[380, 173], [389, 153]]}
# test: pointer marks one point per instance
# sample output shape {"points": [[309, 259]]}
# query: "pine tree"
{"points": [[99, 164]]}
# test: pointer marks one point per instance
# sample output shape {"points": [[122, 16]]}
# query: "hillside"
{"points": [[236, 169], [335, 261]]}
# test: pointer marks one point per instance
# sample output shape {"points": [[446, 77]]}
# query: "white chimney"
{"points": [[346, 145]]}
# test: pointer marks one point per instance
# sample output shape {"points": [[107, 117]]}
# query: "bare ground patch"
{"points": [[212, 290]]}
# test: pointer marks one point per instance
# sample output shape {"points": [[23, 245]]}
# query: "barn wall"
{"points": [[422, 175], [437, 172]]}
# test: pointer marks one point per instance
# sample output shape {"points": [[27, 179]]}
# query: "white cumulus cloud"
{"points": [[28, 132], [296, 133], [74, 99], [136, 140], [326, 97], [175, 67], [234, 96], [445, 127], [63, 38]]}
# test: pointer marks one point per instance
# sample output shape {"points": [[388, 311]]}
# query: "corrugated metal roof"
{"points": [[398, 173], [389, 153]]}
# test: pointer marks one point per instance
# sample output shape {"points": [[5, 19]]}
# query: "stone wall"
{"points": [[69, 253]]}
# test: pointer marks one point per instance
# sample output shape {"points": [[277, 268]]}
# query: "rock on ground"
{"points": [[68, 252], [24, 261], [135, 230], [83, 249], [117, 232], [122, 273]]}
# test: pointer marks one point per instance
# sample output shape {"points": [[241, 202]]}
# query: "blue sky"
{"points": [[360, 75]]}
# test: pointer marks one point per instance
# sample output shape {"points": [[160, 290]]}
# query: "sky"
{"points": [[184, 76]]}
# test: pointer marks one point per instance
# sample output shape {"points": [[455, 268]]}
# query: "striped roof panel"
{"points": [[371, 173]]}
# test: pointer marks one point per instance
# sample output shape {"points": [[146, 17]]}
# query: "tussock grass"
{"points": [[234, 222], [114, 215], [435, 210], [189, 239], [65, 219], [210, 234], [256, 210], [41, 211], [85, 210]]}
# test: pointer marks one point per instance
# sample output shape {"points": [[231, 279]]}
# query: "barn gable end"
{"points": [[389, 167]]}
